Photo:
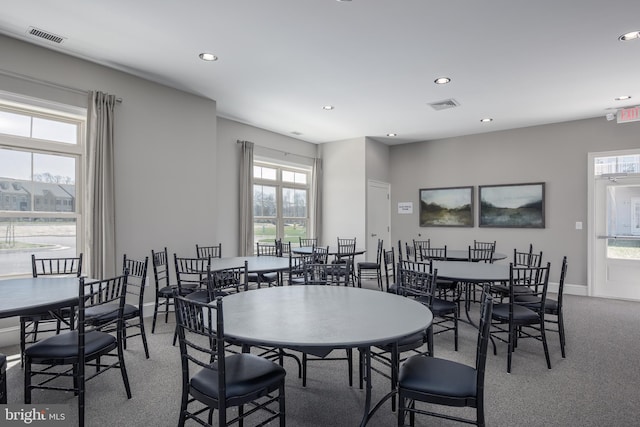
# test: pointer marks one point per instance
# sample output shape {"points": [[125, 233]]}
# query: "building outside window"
{"points": [[280, 202], [41, 163]]}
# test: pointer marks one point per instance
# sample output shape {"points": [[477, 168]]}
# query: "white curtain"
{"points": [[99, 205], [316, 199], [246, 199]]}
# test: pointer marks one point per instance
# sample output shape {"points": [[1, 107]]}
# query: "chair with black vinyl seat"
{"points": [[389, 261], [436, 381], [3, 379], [191, 277], [307, 242], [214, 251], [283, 248], [136, 271], [520, 259], [86, 346], [325, 274], [220, 283], [164, 288], [345, 256], [554, 308], [480, 252], [271, 277], [219, 381], [418, 245], [523, 316], [63, 319], [372, 269], [485, 245]]}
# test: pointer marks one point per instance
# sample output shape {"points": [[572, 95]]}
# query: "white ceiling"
{"points": [[519, 62]]}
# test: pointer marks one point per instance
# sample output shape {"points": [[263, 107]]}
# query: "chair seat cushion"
{"points": [[167, 291], [438, 376], [439, 306], [101, 313], [521, 314], [551, 306], [369, 265], [245, 374], [64, 346], [263, 277], [408, 343]]}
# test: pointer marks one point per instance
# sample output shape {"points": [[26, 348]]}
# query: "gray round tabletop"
{"points": [[322, 316], [463, 255], [255, 264], [465, 271], [32, 295]]}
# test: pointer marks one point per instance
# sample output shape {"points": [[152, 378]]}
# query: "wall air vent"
{"points": [[443, 105], [35, 32]]}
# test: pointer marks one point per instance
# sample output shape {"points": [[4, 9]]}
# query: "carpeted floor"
{"points": [[596, 385]]}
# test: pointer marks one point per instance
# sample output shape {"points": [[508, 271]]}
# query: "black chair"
{"points": [[485, 245], [214, 251], [554, 308], [3, 379], [389, 260], [191, 273], [221, 283], [164, 287], [345, 256], [133, 312], [283, 248], [481, 255], [271, 277], [445, 382], [63, 319], [324, 274], [88, 345], [418, 245], [217, 381], [372, 270], [308, 242], [523, 315]]}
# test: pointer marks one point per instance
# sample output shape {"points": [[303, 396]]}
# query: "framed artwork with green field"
{"points": [[446, 207]]}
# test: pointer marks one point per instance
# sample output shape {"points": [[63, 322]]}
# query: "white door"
{"points": [[378, 217], [616, 253]]}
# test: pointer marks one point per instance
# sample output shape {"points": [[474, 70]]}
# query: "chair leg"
{"points": [[155, 316], [350, 365], [304, 369], [544, 343], [144, 336], [123, 371], [512, 333], [561, 333], [282, 406]]}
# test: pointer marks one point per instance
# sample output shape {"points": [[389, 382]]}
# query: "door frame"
{"points": [[592, 208], [371, 256]]}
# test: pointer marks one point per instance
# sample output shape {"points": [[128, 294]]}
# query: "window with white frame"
{"points": [[280, 202], [41, 158]]}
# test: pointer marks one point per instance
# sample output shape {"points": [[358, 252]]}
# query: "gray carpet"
{"points": [[596, 385]]}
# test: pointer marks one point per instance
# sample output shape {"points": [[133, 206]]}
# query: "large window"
{"points": [[280, 202], [40, 166]]}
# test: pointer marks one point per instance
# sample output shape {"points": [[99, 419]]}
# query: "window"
{"points": [[280, 202], [40, 166]]}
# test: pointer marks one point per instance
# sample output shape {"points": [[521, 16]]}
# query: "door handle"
{"points": [[373, 235]]}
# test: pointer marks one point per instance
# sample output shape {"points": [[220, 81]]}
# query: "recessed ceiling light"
{"points": [[328, 107], [623, 98], [392, 134], [442, 80], [630, 36], [208, 57], [487, 120]]}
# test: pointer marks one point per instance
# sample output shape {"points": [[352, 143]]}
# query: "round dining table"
{"points": [[255, 264], [32, 295], [324, 318], [463, 255]]}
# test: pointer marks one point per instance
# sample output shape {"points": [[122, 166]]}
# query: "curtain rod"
{"points": [[286, 153], [47, 83]]}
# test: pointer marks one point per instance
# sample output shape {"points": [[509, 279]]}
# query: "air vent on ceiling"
{"points": [[443, 105], [45, 35], [295, 132]]}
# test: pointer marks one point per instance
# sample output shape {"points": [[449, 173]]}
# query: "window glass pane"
{"points": [[54, 130], [15, 124], [261, 172], [264, 230], [301, 178], [294, 203], [264, 201], [15, 164], [617, 164], [50, 237], [288, 176], [294, 229]]}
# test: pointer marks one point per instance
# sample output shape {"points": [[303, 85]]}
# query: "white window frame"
{"points": [[56, 112]]}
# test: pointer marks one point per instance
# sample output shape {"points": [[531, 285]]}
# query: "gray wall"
{"points": [[555, 154]]}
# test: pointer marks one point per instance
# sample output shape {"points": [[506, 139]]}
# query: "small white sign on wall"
{"points": [[405, 207]]}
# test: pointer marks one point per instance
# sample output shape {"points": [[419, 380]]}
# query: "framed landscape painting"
{"points": [[512, 205], [446, 207]]}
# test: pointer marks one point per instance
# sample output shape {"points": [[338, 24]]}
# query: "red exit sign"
{"points": [[629, 115]]}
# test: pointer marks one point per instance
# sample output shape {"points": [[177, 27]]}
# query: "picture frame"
{"points": [[446, 207], [512, 205]]}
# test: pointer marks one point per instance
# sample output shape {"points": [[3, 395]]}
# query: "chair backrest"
{"points": [[481, 254], [320, 254], [346, 246], [484, 332], [71, 266], [432, 253], [202, 343], [413, 265], [191, 272], [389, 266], [136, 278], [160, 264], [308, 242], [410, 252], [419, 244], [528, 287], [282, 248], [214, 251], [417, 283], [325, 274], [379, 250], [527, 259], [563, 274], [109, 293], [484, 245], [230, 278], [266, 249]]}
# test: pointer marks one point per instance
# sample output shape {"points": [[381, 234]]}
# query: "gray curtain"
{"points": [[316, 199], [100, 194], [246, 199]]}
